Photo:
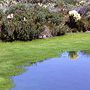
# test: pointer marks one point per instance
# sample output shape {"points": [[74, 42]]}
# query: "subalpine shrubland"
{"points": [[34, 14], [31, 21]]}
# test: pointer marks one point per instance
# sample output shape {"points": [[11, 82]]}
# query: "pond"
{"points": [[69, 71]]}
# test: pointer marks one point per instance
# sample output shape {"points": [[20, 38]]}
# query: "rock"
{"points": [[46, 32], [87, 31], [44, 36], [82, 10], [40, 36]]}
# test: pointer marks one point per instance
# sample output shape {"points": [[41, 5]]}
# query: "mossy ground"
{"points": [[19, 53]]}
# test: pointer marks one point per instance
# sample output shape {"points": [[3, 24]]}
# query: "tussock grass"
{"points": [[19, 53]]}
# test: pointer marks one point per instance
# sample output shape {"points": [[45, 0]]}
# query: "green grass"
{"points": [[19, 53]]}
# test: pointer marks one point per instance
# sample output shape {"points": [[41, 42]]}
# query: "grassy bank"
{"points": [[18, 53]]}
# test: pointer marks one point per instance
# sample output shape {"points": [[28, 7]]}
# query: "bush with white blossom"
{"points": [[75, 14]]}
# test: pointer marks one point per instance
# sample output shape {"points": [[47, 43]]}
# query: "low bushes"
{"points": [[28, 22], [79, 25], [20, 31]]}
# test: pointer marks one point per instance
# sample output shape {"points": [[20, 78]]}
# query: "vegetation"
{"points": [[37, 16], [31, 21], [26, 20]]}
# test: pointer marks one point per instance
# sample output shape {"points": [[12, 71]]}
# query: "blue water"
{"points": [[70, 71]]}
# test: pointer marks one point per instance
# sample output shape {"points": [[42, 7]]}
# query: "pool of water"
{"points": [[70, 71]]}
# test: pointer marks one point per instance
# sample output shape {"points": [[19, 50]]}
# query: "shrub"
{"points": [[15, 8], [21, 31], [79, 25], [28, 22], [75, 14], [23, 26], [59, 30]]}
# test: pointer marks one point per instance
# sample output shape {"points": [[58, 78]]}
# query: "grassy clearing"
{"points": [[18, 53]]}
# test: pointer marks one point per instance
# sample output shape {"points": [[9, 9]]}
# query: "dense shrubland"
{"points": [[27, 19], [28, 22]]}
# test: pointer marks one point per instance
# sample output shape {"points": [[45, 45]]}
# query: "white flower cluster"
{"points": [[8, 1], [10, 16], [46, 5], [82, 2], [42, 5], [25, 19], [75, 14]]}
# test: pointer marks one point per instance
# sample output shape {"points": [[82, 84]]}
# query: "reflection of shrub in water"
{"points": [[73, 54]]}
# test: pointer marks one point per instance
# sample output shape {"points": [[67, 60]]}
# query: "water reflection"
{"points": [[58, 73], [85, 52], [72, 54]]}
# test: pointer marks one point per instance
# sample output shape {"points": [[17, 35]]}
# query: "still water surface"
{"points": [[70, 71]]}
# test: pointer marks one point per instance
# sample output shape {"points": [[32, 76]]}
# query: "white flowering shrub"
{"points": [[76, 22], [75, 14]]}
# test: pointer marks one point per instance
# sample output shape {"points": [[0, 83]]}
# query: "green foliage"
{"points": [[15, 8], [1, 0], [30, 19], [87, 5], [60, 3], [68, 1], [24, 30], [45, 15], [1, 14], [59, 30], [88, 16], [38, 1], [55, 18], [19, 29]]}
